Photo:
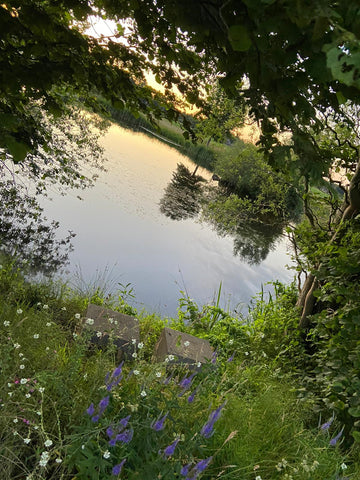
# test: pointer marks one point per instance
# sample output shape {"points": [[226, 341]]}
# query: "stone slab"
{"points": [[104, 321], [185, 348]]}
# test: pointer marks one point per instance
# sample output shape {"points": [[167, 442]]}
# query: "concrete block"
{"points": [[184, 347], [104, 322]]}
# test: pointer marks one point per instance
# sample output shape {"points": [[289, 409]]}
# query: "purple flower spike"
{"points": [[103, 404], [230, 359], [95, 418], [117, 468], [171, 448], [118, 370], [109, 432], [185, 470], [159, 424], [125, 437], [325, 426], [91, 410], [124, 421], [207, 430], [214, 357], [200, 466], [112, 442], [192, 396], [334, 440], [186, 381]]}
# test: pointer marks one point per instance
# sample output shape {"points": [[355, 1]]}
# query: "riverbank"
{"points": [[240, 415]]}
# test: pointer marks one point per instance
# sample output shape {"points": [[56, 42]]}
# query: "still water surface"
{"points": [[119, 229]]}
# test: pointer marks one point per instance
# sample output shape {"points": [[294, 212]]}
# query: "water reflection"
{"points": [[187, 195], [182, 196], [26, 234]]}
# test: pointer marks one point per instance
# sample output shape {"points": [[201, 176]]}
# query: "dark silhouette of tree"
{"points": [[182, 197]]}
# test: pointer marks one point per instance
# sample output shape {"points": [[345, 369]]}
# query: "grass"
{"points": [[50, 376]]}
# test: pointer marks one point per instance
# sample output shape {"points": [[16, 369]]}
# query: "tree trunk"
{"points": [[306, 300]]}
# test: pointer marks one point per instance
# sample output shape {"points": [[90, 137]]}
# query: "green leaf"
{"points": [[17, 149], [356, 436], [344, 67], [239, 38], [354, 411]]}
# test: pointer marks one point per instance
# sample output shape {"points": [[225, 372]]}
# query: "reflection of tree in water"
{"points": [[25, 233], [254, 241], [254, 235], [182, 197]]}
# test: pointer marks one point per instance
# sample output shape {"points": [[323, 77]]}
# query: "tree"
{"points": [[219, 115]]}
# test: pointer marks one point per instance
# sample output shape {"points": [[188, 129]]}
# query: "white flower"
{"points": [[77, 316], [198, 364], [136, 372], [21, 355], [246, 353], [63, 308], [27, 395], [47, 349], [10, 394], [85, 376], [343, 466], [44, 458], [15, 420], [27, 440], [6, 323], [45, 307], [75, 335], [23, 381], [22, 367], [111, 320], [116, 322], [98, 334], [231, 341], [9, 385], [48, 324], [140, 345], [134, 355], [48, 443], [133, 341], [90, 321], [58, 460], [187, 343], [41, 389], [262, 335], [19, 311], [36, 427], [106, 454], [82, 447], [38, 413], [36, 335], [258, 477], [158, 374], [17, 345], [143, 393], [1, 267], [15, 433]]}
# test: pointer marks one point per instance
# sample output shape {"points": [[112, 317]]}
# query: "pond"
{"points": [[122, 237]]}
